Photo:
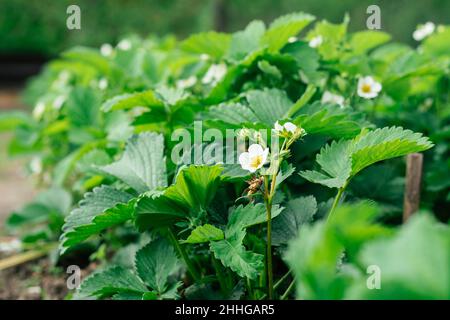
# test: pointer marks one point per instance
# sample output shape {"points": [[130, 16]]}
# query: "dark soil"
{"points": [[36, 280]]}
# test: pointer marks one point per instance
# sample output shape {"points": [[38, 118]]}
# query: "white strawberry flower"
{"points": [[368, 88], [204, 57], [106, 50], [316, 41], [103, 84], [288, 126], [254, 158], [424, 31], [124, 45], [36, 165], [329, 97], [215, 73], [58, 102], [187, 83], [39, 110]]}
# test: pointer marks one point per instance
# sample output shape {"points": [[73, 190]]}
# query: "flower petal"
{"points": [[255, 149]]}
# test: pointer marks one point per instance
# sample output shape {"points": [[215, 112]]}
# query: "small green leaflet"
{"points": [[246, 41], [329, 120], [130, 100], [297, 213], [143, 165], [204, 233], [109, 282], [154, 263], [232, 254], [12, 119], [82, 107], [193, 190], [281, 29], [231, 251], [342, 160], [103, 208], [212, 43]]}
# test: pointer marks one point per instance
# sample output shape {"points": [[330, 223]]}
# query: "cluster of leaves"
{"points": [[102, 128]]}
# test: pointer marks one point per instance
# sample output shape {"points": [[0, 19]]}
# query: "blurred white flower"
{"points": [[103, 84], [38, 110], [187, 83], [329, 97], [316, 41], [106, 50], [58, 102], [214, 74], [288, 126], [124, 45], [423, 31], [204, 57], [368, 88], [255, 158], [36, 165], [292, 39]]}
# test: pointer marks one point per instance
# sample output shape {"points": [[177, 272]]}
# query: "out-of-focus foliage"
{"points": [[40, 26]]}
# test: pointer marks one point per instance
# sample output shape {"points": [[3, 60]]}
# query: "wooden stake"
{"points": [[412, 185]]}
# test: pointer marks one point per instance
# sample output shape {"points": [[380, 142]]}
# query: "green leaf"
{"points": [[100, 209], [233, 113], [329, 120], [297, 213], [193, 190], [143, 165], [10, 120], [232, 254], [154, 263], [362, 41], [335, 162], [246, 41], [342, 160], [130, 100], [83, 107], [269, 105], [212, 43], [243, 217], [316, 254], [414, 264], [204, 233], [385, 143], [89, 56], [109, 282], [231, 251], [52, 201], [283, 28], [333, 36]]}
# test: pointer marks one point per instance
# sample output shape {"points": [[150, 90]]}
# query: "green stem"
{"points": [[278, 283], [288, 290], [183, 254], [220, 275], [269, 251], [336, 201]]}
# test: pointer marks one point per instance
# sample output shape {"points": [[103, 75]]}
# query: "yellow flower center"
{"points": [[366, 88], [256, 161]]}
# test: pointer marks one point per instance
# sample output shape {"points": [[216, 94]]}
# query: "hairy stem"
{"points": [[288, 290], [183, 255], [278, 283]]}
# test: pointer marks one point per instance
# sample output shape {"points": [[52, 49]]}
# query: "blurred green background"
{"points": [[39, 27]]}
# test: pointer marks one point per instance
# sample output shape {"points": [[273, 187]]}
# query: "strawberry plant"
{"points": [[243, 165]]}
